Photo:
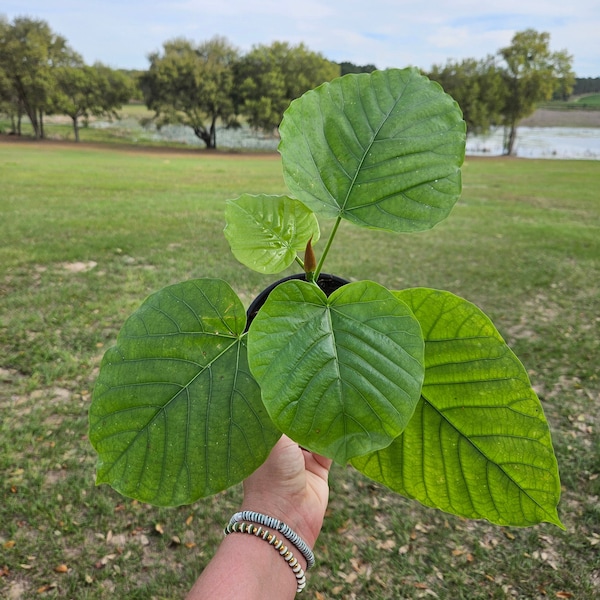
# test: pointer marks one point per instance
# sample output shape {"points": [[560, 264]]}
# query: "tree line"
{"points": [[201, 84]]}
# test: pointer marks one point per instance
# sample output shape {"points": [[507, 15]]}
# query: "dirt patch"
{"points": [[546, 117], [135, 149]]}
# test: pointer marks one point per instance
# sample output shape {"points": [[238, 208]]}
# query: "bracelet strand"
{"points": [[265, 534], [281, 527]]}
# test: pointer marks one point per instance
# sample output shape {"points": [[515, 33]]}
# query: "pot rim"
{"points": [[331, 281]]}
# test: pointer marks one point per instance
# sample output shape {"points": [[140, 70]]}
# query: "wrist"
{"points": [[287, 513]]}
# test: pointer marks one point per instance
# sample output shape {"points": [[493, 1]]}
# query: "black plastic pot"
{"points": [[328, 283]]}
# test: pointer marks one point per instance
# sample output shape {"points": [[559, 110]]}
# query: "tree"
{"points": [[29, 54], [192, 85], [348, 67], [477, 86], [86, 91], [531, 74], [268, 78]]}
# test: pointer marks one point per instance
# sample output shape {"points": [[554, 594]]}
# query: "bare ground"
{"points": [[546, 117]]}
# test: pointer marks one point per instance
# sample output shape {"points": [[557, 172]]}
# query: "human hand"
{"points": [[291, 485]]}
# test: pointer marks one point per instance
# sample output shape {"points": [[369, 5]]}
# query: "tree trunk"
{"points": [[510, 136], [41, 124], [32, 114], [76, 127], [208, 137], [213, 133]]}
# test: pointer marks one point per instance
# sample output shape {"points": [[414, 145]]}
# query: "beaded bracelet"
{"points": [[281, 527], [265, 534]]}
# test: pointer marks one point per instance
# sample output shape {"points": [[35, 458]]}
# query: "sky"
{"points": [[385, 33]]}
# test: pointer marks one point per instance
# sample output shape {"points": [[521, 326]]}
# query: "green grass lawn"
{"points": [[86, 234], [592, 100]]}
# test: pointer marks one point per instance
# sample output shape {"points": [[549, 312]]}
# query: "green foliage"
{"points": [[268, 78], [266, 233], [397, 123], [340, 375], [348, 67], [82, 92], [477, 86], [532, 74], [184, 384], [478, 444], [30, 52], [191, 85], [416, 388]]}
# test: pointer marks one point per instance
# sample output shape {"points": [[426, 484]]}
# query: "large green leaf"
{"points": [[176, 414], [478, 444], [382, 150], [266, 232], [339, 375]]}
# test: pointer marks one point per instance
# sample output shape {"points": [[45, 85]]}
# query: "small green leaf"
{"points": [[478, 444], [266, 232], [176, 414], [382, 150], [339, 375]]}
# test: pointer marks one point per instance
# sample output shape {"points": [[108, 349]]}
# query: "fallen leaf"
{"points": [[564, 595], [189, 520], [61, 569], [10, 544], [509, 535], [159, 529], [387, 545]]}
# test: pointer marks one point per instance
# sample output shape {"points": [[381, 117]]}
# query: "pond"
{"points": [[541, 142], [531, 142]]}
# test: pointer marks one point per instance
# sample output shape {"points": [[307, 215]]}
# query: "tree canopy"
{"points": [[477, 86], [268, 78], [503, 89], [30, 52], [532, 73], [199, 85], [191, 84], [85, 91]]}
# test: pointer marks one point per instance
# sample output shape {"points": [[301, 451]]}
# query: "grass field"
{"points": [[592, 100], [87, 233]]}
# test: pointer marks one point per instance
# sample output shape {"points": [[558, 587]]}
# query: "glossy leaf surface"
{"points": [[265, 233], [382, 150], [339, 375], [478, 444], [176, 414]]}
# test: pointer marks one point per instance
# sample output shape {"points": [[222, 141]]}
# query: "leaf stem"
{"points": [[327, 247]]}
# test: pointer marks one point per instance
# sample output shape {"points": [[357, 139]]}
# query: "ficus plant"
{"points": [[415, 388]]}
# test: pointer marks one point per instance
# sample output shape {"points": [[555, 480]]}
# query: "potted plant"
{"points": [[415, 388]]}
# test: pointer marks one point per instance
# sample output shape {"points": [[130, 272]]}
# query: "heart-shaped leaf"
{"points": [[339, 375], [478, 444], [382, 150], [266, 232], [176, 414]]}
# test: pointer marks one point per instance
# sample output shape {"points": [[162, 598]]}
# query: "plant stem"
{"points": [[327, 247]]}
